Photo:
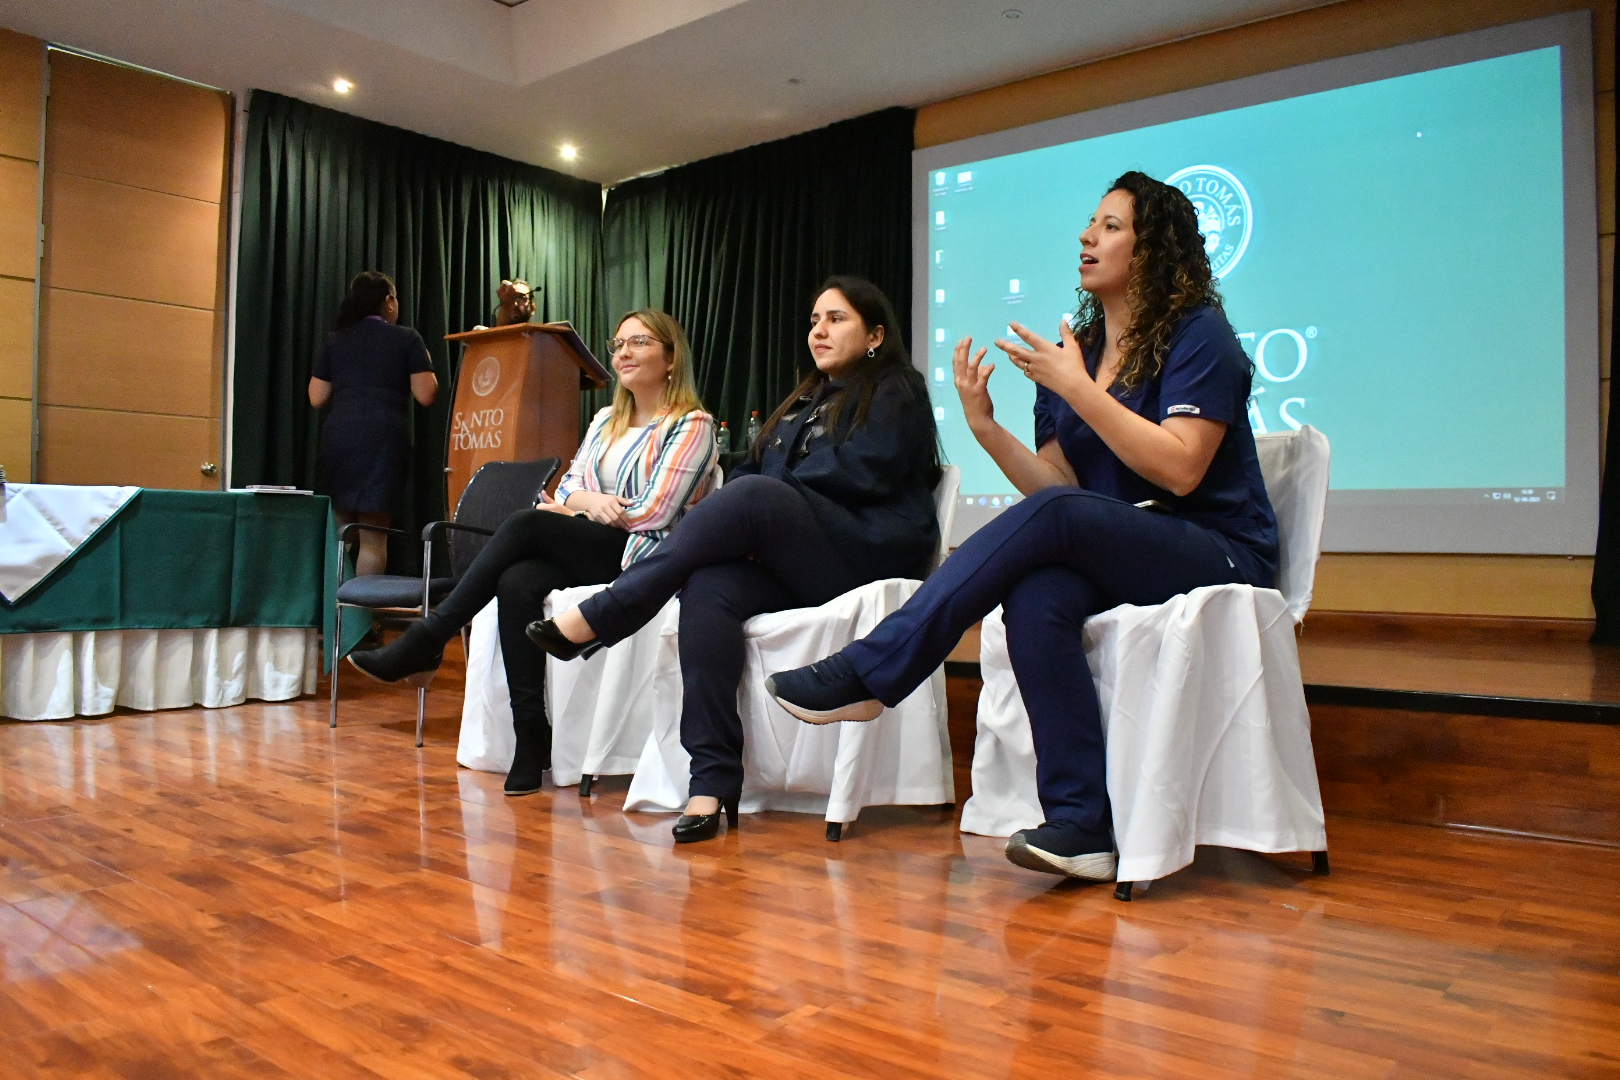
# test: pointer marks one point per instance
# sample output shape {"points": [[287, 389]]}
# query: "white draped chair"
{"points": [[1203, 706], [901, 758]]}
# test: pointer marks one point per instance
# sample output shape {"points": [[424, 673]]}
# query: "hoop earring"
{"points": [[871, 352]]}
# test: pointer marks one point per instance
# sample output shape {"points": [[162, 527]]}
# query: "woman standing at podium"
{"points": [[837, 492], [369, 369], [645, 460]]}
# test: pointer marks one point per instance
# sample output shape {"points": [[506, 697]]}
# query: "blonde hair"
{"points": [[680, 394]]}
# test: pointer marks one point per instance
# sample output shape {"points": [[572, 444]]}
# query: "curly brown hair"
{"points": [[1170, 276]]}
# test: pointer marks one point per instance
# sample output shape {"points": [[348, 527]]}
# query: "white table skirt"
{"points": [[62, 675]]}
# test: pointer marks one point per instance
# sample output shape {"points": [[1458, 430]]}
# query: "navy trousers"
{"points": [[751, 547], [1051, 561]]}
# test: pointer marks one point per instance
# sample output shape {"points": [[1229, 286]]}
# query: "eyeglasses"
{"points": [[635, 341]]}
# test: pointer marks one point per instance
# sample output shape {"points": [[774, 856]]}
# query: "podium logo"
{"points": [[1225, 216], [486, 375]]}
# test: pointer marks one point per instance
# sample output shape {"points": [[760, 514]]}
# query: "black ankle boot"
{"points": [[690, 828], [531, 758], [418, 651]]}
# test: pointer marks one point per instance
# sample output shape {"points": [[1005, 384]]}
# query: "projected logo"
{"points": [[1224, 215]]}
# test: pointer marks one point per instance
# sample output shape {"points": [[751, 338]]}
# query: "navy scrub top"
{"points": [[1205, 374]]}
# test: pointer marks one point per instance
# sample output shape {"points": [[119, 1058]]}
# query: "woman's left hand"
{"points": [[1060, 369]]}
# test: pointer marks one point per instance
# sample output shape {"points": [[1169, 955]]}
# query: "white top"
{"points": [[607, 467]]}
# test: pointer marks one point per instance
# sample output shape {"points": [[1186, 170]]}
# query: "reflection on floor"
{"points": [[243, 892]]}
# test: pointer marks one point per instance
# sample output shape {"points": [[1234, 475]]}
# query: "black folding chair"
{"points": [[497, 491]]}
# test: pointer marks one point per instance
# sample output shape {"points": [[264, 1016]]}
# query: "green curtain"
{"points": [[326, 195], [735, 246]]}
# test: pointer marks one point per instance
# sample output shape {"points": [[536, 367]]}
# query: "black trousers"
{"points": [[751, 547], [531, 554]]}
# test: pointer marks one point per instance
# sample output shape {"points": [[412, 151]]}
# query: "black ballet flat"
{"points": [[691, 828], [544, 633]]}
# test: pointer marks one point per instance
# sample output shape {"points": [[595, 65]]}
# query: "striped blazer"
{"points": [[668, 468]]}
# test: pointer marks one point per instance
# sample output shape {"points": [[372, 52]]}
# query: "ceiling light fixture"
{"points": [[1011, 13], [794, 82], [569, 151], [342, 86]]}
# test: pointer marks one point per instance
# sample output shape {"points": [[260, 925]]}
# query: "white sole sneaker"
{"points": [[857, 712], [1099, 866]]}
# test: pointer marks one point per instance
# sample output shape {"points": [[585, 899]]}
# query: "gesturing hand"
{"points": [[972, 384], [1060, 369]]}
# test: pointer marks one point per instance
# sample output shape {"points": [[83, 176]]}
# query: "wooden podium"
{"points": [[517, 398]]}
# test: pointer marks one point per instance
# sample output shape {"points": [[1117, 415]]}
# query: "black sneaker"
{"points": [[1060, 847], [824, 693]]}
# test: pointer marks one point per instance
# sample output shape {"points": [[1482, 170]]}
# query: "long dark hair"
{"points": [[367, 293], [1170, 275], [860, 381]]}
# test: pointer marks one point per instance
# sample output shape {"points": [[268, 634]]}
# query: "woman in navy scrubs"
{"points": [[369, 369], [1145, 399], [837, 492]]}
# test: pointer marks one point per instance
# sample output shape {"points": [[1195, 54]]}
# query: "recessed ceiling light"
{"points": [[794, 82], [342, 86], [569, 151], [1011, 13]]}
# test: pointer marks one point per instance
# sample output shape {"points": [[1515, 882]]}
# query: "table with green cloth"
{"points": [[227, 591]]}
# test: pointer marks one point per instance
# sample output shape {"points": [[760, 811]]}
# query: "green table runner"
{"points": [[177, 560]]}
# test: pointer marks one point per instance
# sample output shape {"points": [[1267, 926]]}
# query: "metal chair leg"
{"points": [[421, 712], [585, 782], [1122, 891], [337, 645], [835, 831], [1319, 863]]}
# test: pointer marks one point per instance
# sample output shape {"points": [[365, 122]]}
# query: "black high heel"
{"points": [[544, 633], [691, 828]]}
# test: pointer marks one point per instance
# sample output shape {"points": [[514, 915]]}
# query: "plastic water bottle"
{"points": [[722, 438], [753, 428]]}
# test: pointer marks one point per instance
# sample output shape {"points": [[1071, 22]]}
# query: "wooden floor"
{"points": [[243, 892]]}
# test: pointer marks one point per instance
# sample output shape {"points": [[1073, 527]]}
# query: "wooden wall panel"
{"points": [[125, 241], [16, 439], [111, 353], [16, 338], [95, 446], [128, 127], [22, 76], [1322, 33], [1535, 586], [19, 218]]}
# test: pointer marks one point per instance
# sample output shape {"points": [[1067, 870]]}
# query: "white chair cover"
{"points": [[619, 711], [61, 675], [901, 758], [1203, 705]]}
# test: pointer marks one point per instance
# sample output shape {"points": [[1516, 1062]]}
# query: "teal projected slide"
{"points": [[1391, 254]]}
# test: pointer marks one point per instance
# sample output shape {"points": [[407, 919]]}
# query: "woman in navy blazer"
{"points": [[837, 492]]}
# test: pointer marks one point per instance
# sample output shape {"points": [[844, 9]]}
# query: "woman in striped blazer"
{"points": [[646, 459]]}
